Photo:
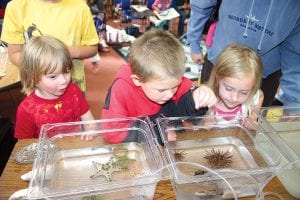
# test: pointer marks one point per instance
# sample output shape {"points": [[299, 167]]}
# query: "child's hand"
{"points": [[253, 116], [87, 137], [251, 122], [204, 97], [89, 129], [172, 136]]}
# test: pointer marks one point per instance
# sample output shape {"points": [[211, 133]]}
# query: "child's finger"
{"points": [[207, 99], [87, 137]]}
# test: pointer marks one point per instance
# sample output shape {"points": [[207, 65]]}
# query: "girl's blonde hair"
{"points": [[157, 54], [237, 61], [42, 55]]}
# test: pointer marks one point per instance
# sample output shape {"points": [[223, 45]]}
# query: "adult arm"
{"points": [[15, 50], [14, 53], [200, 12], [290, 67], [12, 31], [83, 51]]}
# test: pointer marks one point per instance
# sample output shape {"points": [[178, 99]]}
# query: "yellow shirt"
{"points": [[68, 20]]}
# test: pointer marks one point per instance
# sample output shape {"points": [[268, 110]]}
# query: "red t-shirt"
{"points": [[33, 112]]}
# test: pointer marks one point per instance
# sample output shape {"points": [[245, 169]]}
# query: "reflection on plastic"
{"points": [[3, 59], [218, 184]]}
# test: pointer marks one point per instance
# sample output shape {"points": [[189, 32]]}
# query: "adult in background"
{"points": [[99, 15], [270, 27], [68, 20], [182, 7]]}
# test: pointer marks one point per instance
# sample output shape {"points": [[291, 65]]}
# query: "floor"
{"points": [[99, 80]]}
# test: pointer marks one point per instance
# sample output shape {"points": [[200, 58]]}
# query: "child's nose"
{"points": [[234, 96], [169, 94], [64, 78]]}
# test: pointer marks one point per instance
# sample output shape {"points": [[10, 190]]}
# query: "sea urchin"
{"points": [[218, 159]]}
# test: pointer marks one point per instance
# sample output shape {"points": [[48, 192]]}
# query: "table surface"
{"points": [[10, 180], [11, 79]]}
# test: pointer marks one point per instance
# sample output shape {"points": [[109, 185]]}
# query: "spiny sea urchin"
{"points": [[218, 159]]}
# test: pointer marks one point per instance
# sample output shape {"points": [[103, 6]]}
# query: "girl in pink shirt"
{"points": [[236, 80]]}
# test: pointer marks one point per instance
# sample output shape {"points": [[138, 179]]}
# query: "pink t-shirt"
{"points": [[229, 115], [162, 4]]}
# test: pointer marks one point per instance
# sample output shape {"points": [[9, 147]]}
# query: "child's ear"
{"points": [[136, 80]]}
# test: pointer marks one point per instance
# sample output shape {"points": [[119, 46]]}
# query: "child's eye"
{"points": [[229, 88], [161, 91], [245, 92], [52, 77]]}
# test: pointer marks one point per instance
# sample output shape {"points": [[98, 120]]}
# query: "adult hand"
{"points": [[197, 58]]}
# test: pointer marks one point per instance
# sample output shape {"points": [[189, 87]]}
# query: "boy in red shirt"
{"points": [[152, 84]]}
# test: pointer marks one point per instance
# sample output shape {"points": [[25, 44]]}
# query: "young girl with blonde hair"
{"points": [[236, 80], [51, 96]]}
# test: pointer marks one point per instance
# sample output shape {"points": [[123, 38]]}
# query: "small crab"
{"points": [[179, 155], [200, 172], [218, 159]]}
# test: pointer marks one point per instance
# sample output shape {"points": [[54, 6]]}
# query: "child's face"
{"points": [[160, 91], [52, 86], [234, 91]]}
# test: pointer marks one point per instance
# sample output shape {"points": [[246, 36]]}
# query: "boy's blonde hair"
{"points": [[157, 54], [42, 55], [237, 61]]}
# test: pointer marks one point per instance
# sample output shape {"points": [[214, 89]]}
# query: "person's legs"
{"points": [[182, 18], [269, 87], [206, 70], [101, 29], [166, 25]]}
